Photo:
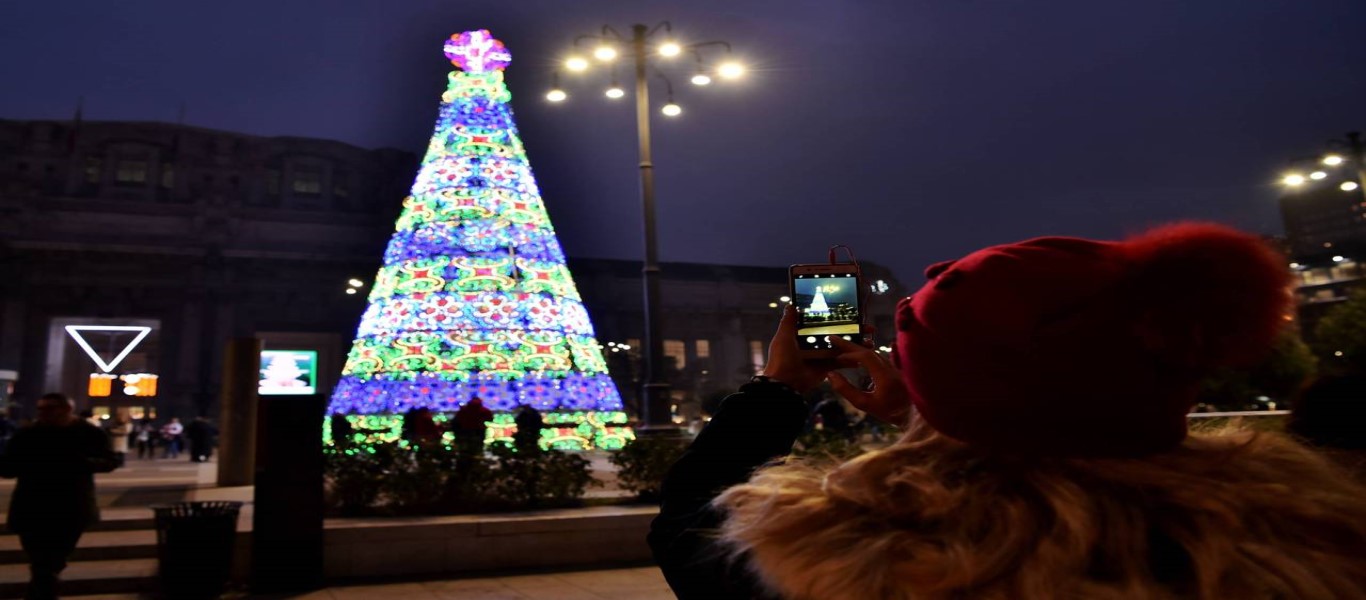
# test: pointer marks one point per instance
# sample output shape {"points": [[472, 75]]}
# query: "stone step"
{"points": [[118, 519], [88, 577], [94, 545]]}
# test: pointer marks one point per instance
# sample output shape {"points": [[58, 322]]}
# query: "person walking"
{"points": [[119, 432], [171, 433], [470, 427], [529, 424], [143, 438], [55, 461], [200, 435], [1046, 386]]}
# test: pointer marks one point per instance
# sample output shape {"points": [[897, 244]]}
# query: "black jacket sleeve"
{"points": [[753, 426], [99, 452]]}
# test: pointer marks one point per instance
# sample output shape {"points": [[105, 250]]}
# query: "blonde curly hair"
{"points": [[1229, 514]]}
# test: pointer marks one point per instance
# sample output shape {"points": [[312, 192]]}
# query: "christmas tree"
{"points": [[474, 298], [818, 306]]}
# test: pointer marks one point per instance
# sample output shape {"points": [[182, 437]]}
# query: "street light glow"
{"points": [[1338, 258], [556, 95], [730, 70], [1317, 175], [576, 63], [1332, 160], [1348, 186], [1293, 179], [701, 79], [351, 291], [773, 305], [615, 92], [605, 53], [355, 282], [670, 49], [671, 110]]}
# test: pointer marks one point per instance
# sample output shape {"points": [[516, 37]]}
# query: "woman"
{"points": [[145, 429], [118, 436], [1048, 456]]}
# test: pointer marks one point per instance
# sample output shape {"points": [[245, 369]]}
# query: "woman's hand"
{"points": [[889, 400], [785, 362]]}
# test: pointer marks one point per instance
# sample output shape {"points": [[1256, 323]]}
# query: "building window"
{"points": [[131, 172], [167, 177], [703, 348], [307, 182], [93, 166], [678, 351], [339, 188], [273, 182], [756, 355]]}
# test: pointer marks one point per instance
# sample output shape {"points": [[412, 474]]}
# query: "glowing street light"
{"points": [[355, 283], [1332, 160], [1293, 180], [556, 95], [1339, 258], [605, 53], [576, 63], [1348, 186], [351, 291], [1317, 175], [730, 70], [648, 50]]}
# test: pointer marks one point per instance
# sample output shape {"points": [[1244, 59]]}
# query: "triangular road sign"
{"points": [[75, 331]]}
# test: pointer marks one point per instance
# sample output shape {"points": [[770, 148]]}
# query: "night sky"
{"points": [[914, 131]]}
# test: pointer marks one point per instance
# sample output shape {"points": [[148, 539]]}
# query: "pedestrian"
{"points": [[420, 427], [529, 423], [118, 436], [7, 430], [200, 435], [54, 460], [470, 427], [171, 434], [1045, 385], [143, 438]]}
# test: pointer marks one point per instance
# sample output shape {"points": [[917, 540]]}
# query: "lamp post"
{"points": [[1352, 146], [608, 46]]}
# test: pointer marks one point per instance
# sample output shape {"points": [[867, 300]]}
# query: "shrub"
{"points": [[826, 445], [402, 479], [643, 463]]}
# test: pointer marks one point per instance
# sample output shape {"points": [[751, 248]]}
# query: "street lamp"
{"points": [[645, 54], [1348, 151]]}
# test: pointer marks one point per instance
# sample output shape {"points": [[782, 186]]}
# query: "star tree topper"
{"points": [[477, 52]]}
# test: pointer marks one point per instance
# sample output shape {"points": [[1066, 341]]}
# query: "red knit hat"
{"points": [[1072, 347]]}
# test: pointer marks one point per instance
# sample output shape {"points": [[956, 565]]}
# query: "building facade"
{"points": [[199, 236], [1325, 227]]}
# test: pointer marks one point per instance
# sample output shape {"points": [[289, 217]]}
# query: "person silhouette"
{"points": [[55, 461]]}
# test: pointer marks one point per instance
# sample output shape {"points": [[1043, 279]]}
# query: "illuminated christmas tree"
{"points": [[474, 298], [818, 306]]}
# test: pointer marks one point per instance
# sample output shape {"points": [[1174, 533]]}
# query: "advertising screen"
{"points": [[289, 373]]}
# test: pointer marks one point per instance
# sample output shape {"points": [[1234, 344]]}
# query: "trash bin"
{"points": [[195, 547]]}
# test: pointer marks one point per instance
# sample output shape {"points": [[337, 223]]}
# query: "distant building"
{"points": [[1325, 238], [200, 236]]}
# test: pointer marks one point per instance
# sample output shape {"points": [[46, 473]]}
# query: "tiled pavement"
{"points": [[642, 583]]}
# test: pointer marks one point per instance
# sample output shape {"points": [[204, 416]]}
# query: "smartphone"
{"points": [[828, 299]]}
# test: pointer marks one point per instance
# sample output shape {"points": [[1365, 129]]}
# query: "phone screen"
{"points": [[827, 304]]}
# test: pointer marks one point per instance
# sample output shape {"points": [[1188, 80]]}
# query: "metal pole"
{"points": [[1358, 152], [655, 405]]}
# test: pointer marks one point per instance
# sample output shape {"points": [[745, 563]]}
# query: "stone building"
{"points": [[199, 236]]}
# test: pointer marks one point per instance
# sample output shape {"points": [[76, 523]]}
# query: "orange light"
{"points": [[100, 385]]}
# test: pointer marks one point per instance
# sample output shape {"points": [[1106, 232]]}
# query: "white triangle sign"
{"points": [[75, 331]]}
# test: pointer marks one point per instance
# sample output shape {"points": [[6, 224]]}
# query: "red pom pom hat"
{"points": [[1072, 347]]}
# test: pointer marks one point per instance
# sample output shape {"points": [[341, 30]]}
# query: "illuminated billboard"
{"points": [[288, 373]]}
